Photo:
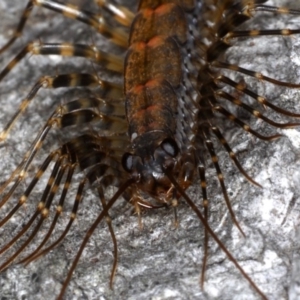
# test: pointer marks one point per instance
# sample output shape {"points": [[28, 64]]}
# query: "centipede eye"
{"points": [[170, 147], [127, 162]]}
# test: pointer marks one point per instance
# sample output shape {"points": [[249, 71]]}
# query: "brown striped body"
{"points": [[153, 85]]}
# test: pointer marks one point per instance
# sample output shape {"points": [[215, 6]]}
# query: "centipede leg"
{"points": [[108, 60], [21, 170], [42, 209], [63, 80], [214, 158], [260, 99], [77, 201], [117, 36], [257, 75], [245, 127], [59, 210], [232, 155], [254, 112], [29, 189], [120, 13]]}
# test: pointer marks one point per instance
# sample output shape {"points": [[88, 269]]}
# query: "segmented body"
{"points": [[184, 144]]}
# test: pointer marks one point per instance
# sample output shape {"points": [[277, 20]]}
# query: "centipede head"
{"points": [[148, 163]]}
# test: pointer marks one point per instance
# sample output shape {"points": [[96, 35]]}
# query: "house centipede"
{"points": [[146, 221]]}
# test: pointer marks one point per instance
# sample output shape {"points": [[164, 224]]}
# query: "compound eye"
{"points": [[127, 162], [170, 147]]}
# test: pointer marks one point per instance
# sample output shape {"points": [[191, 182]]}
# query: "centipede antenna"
{"points": [[148, 130], [113, 236], [213, 235], [102, 215], [205, 202]]}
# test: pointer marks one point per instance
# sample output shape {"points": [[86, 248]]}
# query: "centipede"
{"points": [[125, 170]]}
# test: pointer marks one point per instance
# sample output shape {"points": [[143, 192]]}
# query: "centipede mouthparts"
{"points": [[157, 261]]}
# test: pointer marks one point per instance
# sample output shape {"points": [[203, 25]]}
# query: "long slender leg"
{"points": [[77, 201], [254, 112], [254, 74], [74, 113], [59, 210], [42, 209], [245, 127], [214, 158], [247, 10], [107, 89], [120, 13], [232, 155], [260, 99], [102, 171], [110, 61], [29, 189], [117, 36], [43, 215]]}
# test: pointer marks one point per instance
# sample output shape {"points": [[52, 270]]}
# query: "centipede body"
{"points": [[158, 228]]}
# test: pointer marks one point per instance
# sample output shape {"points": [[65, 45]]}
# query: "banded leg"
{"points": [[257, 75], [214, 158], [252, 8], [29, 189], [78, 199], [232, 155], [254, 112], [246, 10], [59, 210], [245, 127], [74, 113], [117, 36], [236, 15], [42, 210], [120, 13], [21, 170], [107, 89], [260, 99], [108, 60], [108, 178]]}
